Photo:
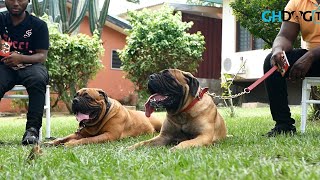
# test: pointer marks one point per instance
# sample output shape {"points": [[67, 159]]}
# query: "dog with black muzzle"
{"points": [[192, 118], [102, 119]]}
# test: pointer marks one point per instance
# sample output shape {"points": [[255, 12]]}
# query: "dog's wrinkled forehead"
{"points": [[92, 92], [178, 75]]}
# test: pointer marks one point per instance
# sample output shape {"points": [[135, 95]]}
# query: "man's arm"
{"points": [[283, 42], [315, 53], [287, 35], [14, 59], [39, 57]]}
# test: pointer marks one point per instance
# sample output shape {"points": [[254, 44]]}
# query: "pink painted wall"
{"points": [[110, 80]]}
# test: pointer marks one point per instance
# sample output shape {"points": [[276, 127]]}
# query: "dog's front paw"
{"points": [[174, 148], [71, 143], [180, 146], [50, 143], [133, 147], [55, 142]]}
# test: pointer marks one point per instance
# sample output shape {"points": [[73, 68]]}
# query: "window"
{"points": [[245, 40], [115, 61]]}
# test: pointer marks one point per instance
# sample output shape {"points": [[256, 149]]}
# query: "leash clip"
{"points": [[246, 91]]}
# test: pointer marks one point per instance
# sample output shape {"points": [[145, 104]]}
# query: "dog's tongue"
{"points": [[80, 117], [148, 108], [149, 105]]}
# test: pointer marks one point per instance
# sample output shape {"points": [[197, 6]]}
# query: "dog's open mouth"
{"points": [[81, 117], [153, 102]]}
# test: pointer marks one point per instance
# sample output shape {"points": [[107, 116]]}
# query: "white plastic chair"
{"points": [[46, 107], [305, 99]]}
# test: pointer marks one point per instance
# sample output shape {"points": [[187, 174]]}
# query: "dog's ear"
{"points": [[192, 82], [103, 94]]}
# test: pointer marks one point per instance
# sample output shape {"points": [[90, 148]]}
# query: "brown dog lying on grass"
{"points": [[102, 119], [192, 117]]}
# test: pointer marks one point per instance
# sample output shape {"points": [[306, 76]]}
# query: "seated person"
{"points": [[303, 62], [28, 39]]}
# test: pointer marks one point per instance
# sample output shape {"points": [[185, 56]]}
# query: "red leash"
{"points": [[246, 90], [265, 76], [282, 70]]}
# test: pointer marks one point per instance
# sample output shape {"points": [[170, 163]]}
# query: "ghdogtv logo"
{"points": [[279, 16]]}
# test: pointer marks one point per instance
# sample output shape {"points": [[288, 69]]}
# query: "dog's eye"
{"points": [[87, 96], [165, 71]]}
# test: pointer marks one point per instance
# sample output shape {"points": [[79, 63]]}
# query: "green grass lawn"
{"points": [[246, 155]]}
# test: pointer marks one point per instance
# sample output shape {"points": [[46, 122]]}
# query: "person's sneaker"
{"points": [[31, 136], [291, 130]]}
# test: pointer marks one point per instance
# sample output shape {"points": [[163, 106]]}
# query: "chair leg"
{"points": [[48, 122], [304, 105], [40, 134]]}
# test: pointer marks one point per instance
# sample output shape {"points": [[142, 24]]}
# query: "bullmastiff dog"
{"points": [[192, 118], [102, 119]]}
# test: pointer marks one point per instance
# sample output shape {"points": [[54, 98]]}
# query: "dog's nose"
{"points": [[152, 76], [75, 101]]}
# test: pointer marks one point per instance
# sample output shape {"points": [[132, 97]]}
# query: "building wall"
{"points": [[6, 106], [209, 69], [110, 80], [211, 29]]}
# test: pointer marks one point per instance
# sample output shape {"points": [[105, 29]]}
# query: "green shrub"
{"points": [[159, 40]]}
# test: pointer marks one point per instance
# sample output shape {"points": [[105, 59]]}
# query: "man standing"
{"points": [[304, 62], [28, 38]]}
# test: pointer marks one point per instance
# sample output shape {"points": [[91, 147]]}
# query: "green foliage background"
{"points": [[159, 40]]}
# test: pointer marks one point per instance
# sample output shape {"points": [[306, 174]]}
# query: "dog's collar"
{"points": [[198, 98], [108, 106]]}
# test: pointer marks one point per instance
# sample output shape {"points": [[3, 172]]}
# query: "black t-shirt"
{"points": [[26, 37]]}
